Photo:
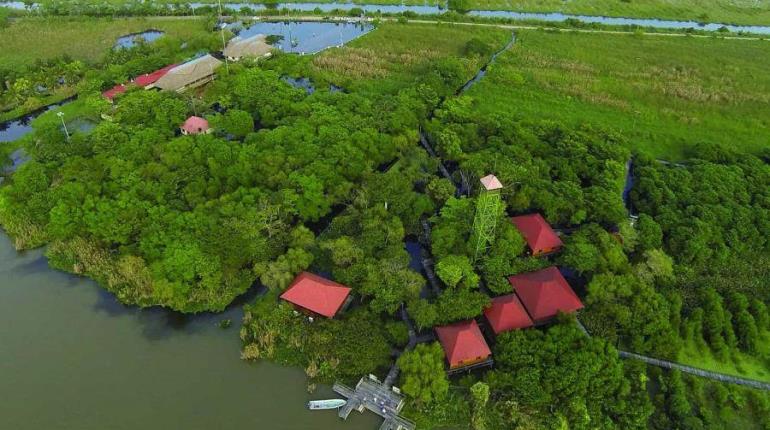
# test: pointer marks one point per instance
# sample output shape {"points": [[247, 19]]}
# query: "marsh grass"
{"points": [[664, 94]]}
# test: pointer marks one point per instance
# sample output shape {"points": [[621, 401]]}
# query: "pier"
{"points": [[373, 395]]}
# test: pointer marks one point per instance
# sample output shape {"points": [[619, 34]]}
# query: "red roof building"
{"points": [[539, 235], [149, 78], [507, 313], [463, 343], [316, 294], [114, 91], [195, 125], [545, 293]]}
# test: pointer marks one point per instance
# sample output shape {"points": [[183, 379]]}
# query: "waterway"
{"points": [[523, 16]]}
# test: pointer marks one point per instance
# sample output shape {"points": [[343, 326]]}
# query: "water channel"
{"points": [[524, 16]]}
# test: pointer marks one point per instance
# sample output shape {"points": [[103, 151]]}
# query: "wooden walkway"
{"points": [[372, 395], [688, 369]]}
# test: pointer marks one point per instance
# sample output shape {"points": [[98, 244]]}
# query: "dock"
{"points": [[375, 396]]}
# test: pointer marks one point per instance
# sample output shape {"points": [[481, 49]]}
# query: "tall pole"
{"points": [[61, 117], [222, 33]]}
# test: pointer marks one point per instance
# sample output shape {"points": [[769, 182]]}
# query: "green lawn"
{"points": [[752, 367], [663, 93], [726, 11], [30, 39]]}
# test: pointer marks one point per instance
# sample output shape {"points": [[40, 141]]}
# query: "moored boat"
{"points": [[326, 404]]}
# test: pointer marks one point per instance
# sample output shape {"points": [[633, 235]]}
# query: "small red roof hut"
{"points": [[545, 293], [463, 343], [195, 125], [538, 233], [507, 313], [316, 294]]}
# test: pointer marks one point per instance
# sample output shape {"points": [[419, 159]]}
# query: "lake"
{"points": [[308, 37]]}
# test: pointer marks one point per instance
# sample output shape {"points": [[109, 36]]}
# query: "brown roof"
{"points": [[254, 46], [188, 73]]}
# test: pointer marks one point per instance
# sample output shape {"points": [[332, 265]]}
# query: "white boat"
{"points": [[326, 404]]}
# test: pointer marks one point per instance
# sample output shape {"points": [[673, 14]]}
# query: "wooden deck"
{"points": [[371, 394]]}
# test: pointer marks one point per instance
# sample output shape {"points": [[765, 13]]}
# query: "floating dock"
{"points": [[373, 395]]}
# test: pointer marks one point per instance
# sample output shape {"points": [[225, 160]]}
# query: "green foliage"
{"points": [[572, 376], [422, 373], [457, 270], [592, 250]]}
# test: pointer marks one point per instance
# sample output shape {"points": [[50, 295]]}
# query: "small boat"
{"points": [[326, 404]]}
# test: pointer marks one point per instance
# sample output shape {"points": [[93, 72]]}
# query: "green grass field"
{"points": [[753, 367], [394, 55], [29, 39], [663, 93], [725, 11]]}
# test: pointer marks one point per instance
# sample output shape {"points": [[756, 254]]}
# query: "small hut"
{"points": [[316, 295], [463, 344], [545, 293], [507, 313], [195, 125], [538, 233]]}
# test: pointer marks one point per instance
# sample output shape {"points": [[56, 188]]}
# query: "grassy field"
{"points": [[741, 365], [663, 93], [725, 11], [29, 39], [394, 55]]}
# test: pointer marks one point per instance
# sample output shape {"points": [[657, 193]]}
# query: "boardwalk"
{"points": [[695, 371], [372, 395], [687, 369]]}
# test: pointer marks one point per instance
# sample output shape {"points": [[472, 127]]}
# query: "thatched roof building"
{"points": [[254, 46], [189, 75]]}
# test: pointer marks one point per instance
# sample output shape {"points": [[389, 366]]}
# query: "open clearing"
{"points": [[30, 39], [663, 93]]}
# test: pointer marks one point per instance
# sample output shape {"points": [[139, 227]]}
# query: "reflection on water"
{"points": [[308, 37], [131, 40]]}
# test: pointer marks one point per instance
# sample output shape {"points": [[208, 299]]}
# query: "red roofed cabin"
{"points": [[539, 235], [463, 344], [507, 313], [317, 295], [148, 79], [195, 125], [114, 91], [545, 293]]}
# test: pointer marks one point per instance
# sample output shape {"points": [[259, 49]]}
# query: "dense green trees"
{"points": [[562, 371], [422, 373]]}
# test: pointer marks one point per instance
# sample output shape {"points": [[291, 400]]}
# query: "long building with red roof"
{"points": [[148, 79], [463, 344], [545, 293], [507, 313], [114, 91], [316, 294], [538, 233]]}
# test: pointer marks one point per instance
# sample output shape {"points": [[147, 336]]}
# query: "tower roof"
{"points": [[462, 342], [507, 313], [538, 233], [490, 182], [545, 293], [316, 294]]}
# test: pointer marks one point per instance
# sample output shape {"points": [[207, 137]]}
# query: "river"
{"points": [[74, 358], [515, 15]]}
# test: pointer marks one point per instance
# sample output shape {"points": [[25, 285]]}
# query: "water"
{"points": [[308, 37], [436, 10], [74, 358], [131, 40], [303, 83], [16, 129]]}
